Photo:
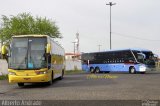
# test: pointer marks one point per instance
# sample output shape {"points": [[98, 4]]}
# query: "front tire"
{"points": [[20, 84], [132, 70]]}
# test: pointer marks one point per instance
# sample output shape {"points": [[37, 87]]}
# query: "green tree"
{"points": [[24, 23]]}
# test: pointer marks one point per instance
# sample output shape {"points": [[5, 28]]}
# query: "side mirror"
{"points": [[141, 56], [4, 50], [48, 48], [155, 55]]}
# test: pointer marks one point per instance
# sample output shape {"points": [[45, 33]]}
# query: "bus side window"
{"points": [[85, 62]]}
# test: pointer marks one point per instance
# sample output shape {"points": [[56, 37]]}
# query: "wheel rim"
{"points": [[92, 70], [97, 70], [132, 70]]}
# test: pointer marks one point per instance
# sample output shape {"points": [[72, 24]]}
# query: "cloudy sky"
{"points": [[135, 23]]}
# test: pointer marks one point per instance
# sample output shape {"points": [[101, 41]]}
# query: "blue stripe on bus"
{"points": [[111, 67]]}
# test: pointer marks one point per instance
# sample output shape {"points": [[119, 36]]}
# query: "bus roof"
{"points": [[141, 49], [134, 49]]}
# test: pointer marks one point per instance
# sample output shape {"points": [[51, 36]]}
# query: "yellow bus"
{"points": [[34, 58]]}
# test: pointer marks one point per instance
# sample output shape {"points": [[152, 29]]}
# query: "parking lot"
{"points": [[86, 86]]}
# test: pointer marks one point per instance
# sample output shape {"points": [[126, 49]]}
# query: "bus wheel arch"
{"points": [[132, 70], [92, 69]]}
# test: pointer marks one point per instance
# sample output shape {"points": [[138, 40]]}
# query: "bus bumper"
{"points": [[28, 79], [142, 69], [145, 68]]}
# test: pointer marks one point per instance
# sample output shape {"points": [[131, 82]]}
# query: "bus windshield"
{"points": [[27, 53], [149, 58]]}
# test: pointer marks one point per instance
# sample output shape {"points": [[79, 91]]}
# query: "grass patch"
{"points": [[74, 72], [3, 77]]}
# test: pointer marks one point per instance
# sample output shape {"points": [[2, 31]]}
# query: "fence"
{"points": [[73, 65]]}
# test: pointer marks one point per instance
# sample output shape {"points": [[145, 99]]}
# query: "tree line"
{"points": [[25, 23]]}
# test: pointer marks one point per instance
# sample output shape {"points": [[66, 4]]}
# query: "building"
{"points": [[73, 61]]}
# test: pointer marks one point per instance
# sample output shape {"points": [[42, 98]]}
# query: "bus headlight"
{"points": [[42, 72], [12, 73], [142, 68]]}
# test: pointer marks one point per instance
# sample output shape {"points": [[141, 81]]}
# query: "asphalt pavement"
{"points": [[86, 86]]}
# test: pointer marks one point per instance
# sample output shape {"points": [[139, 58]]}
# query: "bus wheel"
{"points": [[92, 70], [20, 84], [97, 70], [132, 70]]}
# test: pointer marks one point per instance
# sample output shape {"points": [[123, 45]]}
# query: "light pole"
{"points": [[111, 4], [74, 49]]}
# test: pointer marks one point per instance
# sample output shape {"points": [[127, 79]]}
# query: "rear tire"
{"points": [[132, 70], [20, 84], [97, 70], [92, 70]]}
